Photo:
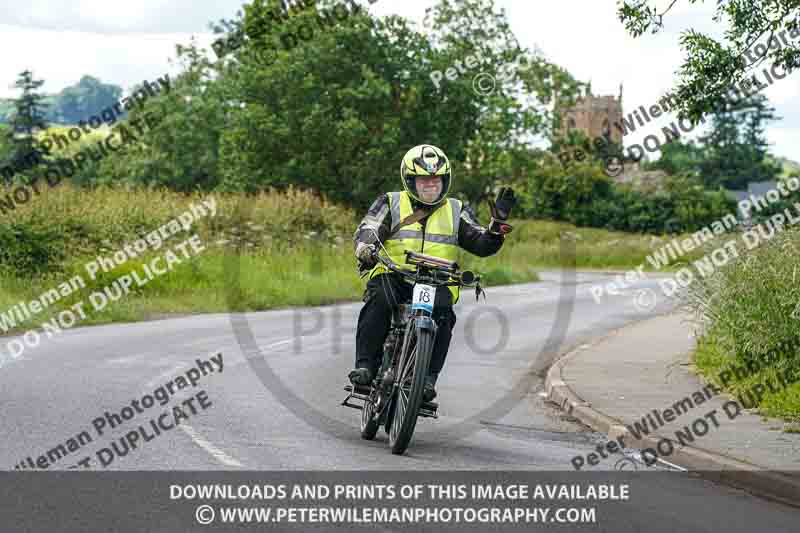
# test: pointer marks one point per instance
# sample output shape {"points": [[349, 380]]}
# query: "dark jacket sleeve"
{"points": [[377, 219], [475, 239]]}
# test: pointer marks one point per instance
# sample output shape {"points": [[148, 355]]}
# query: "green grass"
{"points": [[316, 272], [712, 359], [751, 312], [283, 249]]}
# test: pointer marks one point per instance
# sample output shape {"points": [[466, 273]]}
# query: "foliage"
{"points": [[526, 88], [27, 120], [583, 195], [749, 309], [736, 146], [679, 158], [29, 249], [73, 103], [335, 112], [89, 222], [713, 67], [733, 153], [182, 151], [788, 167], [86, 98]]}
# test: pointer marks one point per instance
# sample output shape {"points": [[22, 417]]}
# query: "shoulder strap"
{"points": [[416, 216]]}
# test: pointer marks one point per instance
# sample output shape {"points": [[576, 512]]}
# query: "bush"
{"points": [[30, 249], [68, 224], [583, 195]]}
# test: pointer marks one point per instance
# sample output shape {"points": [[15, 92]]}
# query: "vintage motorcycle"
{"points": [[395, 397]]}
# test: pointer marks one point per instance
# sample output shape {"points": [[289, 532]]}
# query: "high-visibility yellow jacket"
{"points": [[437, 237], [439, 234]]}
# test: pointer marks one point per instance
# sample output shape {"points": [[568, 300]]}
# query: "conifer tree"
{"points": [[26, 120]]}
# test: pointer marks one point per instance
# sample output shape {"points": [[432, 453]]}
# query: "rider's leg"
{"points": [[374, 320], [445, 321], [444, 333]]}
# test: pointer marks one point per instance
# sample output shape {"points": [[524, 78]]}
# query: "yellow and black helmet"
{"points": [[425, 160]]}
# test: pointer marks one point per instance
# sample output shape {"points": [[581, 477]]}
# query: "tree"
{"points": [[679, 158], [525, 88], [88, 97], [335, 112], [331, 104], [26, 120], [757, 31], [182, 151], [736, 146]]}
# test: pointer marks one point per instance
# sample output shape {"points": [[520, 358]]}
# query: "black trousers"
{"points": [[376, 317]]}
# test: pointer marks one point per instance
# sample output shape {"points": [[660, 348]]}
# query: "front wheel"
{"points": [[369, 422], [413, 368]]}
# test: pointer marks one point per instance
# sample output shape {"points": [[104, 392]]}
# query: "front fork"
{"points": [[393, 347]]}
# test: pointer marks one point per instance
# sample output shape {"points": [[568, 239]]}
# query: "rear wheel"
{"points": [[413, 368], [389, 416]]}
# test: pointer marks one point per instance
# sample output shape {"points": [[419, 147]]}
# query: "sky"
{"points": [[127, 42]]}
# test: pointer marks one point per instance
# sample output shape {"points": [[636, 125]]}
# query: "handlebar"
{"points": [[441, 271]]}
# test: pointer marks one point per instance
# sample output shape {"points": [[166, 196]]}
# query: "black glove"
{"points": [[501, 209]]}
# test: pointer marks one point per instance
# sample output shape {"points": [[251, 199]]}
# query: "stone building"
{"points": [[595, 116]]}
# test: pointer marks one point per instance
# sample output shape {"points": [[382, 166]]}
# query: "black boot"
{"points": [[429, 392], [361, 376]]}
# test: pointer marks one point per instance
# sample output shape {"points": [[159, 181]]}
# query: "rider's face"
{"points": [[429, 187]]}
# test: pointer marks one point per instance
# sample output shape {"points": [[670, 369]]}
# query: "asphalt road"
{"points": [[276, 403]]}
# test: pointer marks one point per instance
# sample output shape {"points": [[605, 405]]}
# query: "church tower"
{"points": [[595, 116]]}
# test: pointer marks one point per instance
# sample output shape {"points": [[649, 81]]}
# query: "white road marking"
{"points": [[287, 341], [216, 453]]}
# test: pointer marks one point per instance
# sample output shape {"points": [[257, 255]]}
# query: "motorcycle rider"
{"points": [[423, 219]]}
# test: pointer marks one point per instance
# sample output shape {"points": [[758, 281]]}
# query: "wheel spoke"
{"points": [[408, 366], [402, 399]]}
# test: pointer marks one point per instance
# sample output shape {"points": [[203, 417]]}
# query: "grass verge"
{"points": [[290, 248], [750, 312]]}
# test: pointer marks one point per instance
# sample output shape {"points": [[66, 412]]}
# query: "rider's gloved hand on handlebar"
{"points": [[366, 254], [501, 210]]}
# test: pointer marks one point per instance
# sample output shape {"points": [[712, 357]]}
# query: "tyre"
{"points": [[369, 422], [389, 416], [413, 368]]}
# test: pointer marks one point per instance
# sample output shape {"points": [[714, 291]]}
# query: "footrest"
{"points": [[346, 403], [429, 410], [358, 389], [360, 393]]}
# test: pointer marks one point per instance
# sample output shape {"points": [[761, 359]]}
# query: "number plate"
{"points": [[424, 296]]}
